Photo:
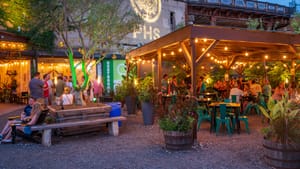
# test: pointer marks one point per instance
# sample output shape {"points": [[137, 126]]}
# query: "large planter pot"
{"points": [[281, 156], [148, 113], [130, 102], [176, 140]]}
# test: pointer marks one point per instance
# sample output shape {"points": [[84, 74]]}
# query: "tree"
{"points": [[295, 23], [14, 15], [99, 25]]}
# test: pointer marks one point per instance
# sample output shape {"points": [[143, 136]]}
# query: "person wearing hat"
{"points": [[67, 97]]}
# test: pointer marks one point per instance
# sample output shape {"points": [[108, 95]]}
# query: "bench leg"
{"points": [[113, 128], [46, 140]]}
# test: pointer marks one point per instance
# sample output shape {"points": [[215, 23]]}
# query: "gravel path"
{"points": [[139, 147]]}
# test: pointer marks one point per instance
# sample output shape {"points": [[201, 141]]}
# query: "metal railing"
{"points": [[247, 4]]}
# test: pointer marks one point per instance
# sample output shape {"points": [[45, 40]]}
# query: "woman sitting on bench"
{"points": [[28, 117]]}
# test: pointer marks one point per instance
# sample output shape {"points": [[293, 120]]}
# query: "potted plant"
{"points": [[178, 125], [126, 92], [146, 94], [282, 135]]}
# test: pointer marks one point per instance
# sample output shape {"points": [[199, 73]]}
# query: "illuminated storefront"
{"points": [[15, 68], [18, 70], [61, 66]]}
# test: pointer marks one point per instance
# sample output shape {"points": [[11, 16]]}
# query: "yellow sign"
{"points": [[149, 10]]}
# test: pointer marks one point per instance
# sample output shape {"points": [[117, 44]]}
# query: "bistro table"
{"points": [[215, 105]]}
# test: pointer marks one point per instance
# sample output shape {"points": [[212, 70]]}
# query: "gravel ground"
{"points": [[139, 147]]}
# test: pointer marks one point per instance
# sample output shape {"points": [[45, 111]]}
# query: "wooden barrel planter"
{"points": [[176, 140], [281, 156]]}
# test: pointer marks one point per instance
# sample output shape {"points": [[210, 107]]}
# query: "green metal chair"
{"points": [[234, 98], [244, 119], [203, 115], [223, 119]]}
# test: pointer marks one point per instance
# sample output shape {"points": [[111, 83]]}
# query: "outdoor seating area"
{"points": [[178, 84]]}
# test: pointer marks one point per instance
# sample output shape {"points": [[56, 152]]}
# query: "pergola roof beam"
{"points": [[211, 46]]}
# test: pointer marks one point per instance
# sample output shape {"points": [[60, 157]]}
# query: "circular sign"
{"points": [[149, 10], [121, 69]]}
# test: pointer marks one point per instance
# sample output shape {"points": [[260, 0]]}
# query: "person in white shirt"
{"points": [[67, 98], [51, 86], [236, 91]]}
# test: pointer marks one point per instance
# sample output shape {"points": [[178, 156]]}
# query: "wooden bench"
{"points": [[47, 128]]}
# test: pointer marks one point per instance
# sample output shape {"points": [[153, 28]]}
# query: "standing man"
{"points": [[51, 89], [201, 87], [59, 89], [36, 86], [46, 77]]}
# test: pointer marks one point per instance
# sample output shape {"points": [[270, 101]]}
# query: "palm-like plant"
{"points": [[284, 119]]}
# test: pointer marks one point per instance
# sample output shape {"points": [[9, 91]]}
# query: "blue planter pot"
{"points": [[148, 113], [130, 102]]}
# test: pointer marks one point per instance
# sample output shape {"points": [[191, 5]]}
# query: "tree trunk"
{"points": [[79, 98]]}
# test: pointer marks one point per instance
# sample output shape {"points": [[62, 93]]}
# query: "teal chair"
{"points": [[234, 98], [252, 105], [203, 115], [227, 100], [244, 119], [223, 119]]}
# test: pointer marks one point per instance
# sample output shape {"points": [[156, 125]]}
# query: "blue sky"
{"points": [[281, 2]]}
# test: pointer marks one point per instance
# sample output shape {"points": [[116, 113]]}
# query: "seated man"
{"points": [[236, 91], [67, 98], [26, 118]]}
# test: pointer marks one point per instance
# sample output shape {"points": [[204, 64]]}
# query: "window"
{"points": [[261, 6], [251, 4], [172, 21], [226, 2], [240, 3], [271, 8], [213, 1]]}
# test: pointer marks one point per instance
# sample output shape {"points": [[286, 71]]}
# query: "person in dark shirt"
{"points": [[36, 87]]}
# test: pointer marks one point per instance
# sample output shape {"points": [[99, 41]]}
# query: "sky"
{"points": [[281, 2]]}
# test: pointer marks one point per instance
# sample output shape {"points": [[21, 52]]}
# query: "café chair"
{"points": [[244, 119], [203, 114], [24, 97], [223, 119], [234, 98]]}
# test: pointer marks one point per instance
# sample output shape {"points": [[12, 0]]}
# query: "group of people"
{"points": [[41, 93], [253, 89], [45, 90]]}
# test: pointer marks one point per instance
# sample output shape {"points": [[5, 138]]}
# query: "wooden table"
{"points": [[215, 105]]}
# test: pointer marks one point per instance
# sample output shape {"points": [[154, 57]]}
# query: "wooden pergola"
{"points": [[198, 45]]}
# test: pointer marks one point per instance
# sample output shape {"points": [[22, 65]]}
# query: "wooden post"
{"points": [[113, 128], [193, 81], [46, 139], [159, 71], [293, 71]]}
